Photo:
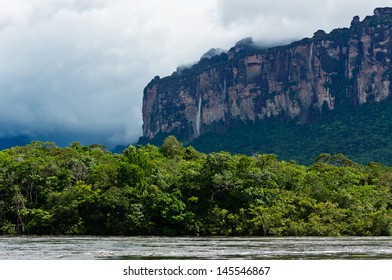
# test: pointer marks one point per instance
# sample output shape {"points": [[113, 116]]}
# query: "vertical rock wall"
{"points": [[300, 80]]}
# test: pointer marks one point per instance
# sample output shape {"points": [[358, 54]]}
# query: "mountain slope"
{"points": [[363, 134]]}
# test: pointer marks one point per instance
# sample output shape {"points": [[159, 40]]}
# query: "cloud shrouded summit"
{"points": [[75, 70]]}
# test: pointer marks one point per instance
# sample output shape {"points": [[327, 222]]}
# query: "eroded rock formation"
{"points": [[349, 66]]}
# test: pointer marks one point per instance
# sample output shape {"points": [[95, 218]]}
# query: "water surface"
{"points": [[137, 248]]}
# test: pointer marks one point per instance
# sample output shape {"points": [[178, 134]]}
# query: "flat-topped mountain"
{"points": [[299, 82]]}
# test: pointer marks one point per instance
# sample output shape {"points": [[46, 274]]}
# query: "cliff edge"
{"points": [[346, 67]]}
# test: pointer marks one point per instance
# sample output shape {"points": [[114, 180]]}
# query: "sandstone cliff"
{"points": [[347, 67]]}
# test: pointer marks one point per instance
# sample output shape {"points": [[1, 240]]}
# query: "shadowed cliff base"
{"points": [[362, 133]]}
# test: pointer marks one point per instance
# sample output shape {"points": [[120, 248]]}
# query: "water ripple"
{"points": [[93, 247]]}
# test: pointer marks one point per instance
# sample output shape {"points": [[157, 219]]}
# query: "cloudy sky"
{"points": [[74, 70]]}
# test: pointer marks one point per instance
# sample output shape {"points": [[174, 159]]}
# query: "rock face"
{"points": [[347, 67]]}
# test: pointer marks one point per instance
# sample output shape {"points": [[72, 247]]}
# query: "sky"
{"points": [[75, 70]]}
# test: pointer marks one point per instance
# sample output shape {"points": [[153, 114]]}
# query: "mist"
{"points": [[75, 70]]}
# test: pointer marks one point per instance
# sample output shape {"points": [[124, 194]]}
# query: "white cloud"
{"points": [[274, 21], [79, 67]]}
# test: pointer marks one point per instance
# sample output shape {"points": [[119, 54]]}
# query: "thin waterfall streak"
{"points": [[310, 61], [198, 117]]}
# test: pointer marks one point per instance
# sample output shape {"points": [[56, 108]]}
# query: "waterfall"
{"points": [[198, 118], [311, 78], [310, 57]]}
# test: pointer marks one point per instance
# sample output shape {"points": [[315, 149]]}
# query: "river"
{"points": [[139, 248]]}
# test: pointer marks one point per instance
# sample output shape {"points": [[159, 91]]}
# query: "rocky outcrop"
{"points": [[349, 66]]}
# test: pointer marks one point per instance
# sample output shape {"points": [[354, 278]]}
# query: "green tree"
{"points": [[171, 147]]}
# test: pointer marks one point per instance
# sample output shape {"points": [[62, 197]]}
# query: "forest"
{"points": [[174, 190], [361, 133]]}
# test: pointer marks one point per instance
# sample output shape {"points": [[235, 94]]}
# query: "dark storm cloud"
{"points": [[78, 68]]}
